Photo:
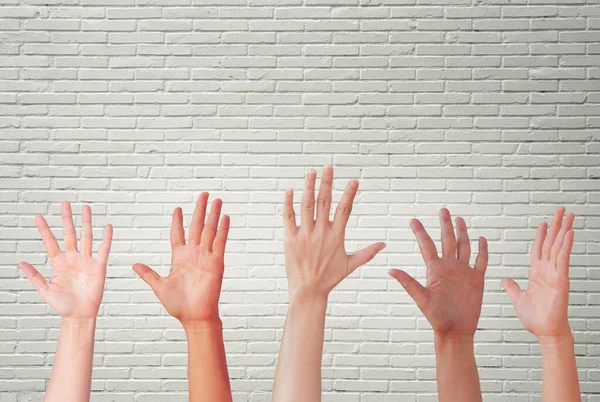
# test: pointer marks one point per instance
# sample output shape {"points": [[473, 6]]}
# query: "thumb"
{"points": [[148, 275], [412, 287], [361, 257], [512, 289]]}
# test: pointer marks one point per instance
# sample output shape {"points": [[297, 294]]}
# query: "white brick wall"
{"points": [[491, 109]]}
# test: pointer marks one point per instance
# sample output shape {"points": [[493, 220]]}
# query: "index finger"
{"points": [[536, 250], [289, 215], [177, 231], [426, 245], [50, 243]]}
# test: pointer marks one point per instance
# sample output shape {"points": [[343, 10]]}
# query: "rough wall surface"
{"points": [[491, 108]]}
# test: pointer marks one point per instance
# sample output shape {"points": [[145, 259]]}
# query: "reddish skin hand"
{"points": [[451, 300], [191, 291], [315, 254], [77, 284], [543, 307]]}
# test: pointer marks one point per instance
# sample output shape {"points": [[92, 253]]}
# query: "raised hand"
{"points": [[451, 302], [542, 308], [315, 255], [191, 291], [315, 262], [76, 286], [75, 292], [452, 297]]}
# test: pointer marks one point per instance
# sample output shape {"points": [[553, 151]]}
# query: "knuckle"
{"points": [[323, 202], [345, 209], [307, 206]]}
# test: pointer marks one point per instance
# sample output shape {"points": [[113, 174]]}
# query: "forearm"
{"points": [[298, 373], [71, 376], [559, 370], [457, 376], [208, 377]]}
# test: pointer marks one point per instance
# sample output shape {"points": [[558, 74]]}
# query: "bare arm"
{"points": [[71, 376], [543, 307], [207, 366], [315, 262], [457, 376], [75, 292], [451, 302], [298, 375], [191, 293]]}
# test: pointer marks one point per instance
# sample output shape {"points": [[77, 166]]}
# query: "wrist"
{"points": [[555, 342], [78, 322], [78, 329], [202, 325], [454, 343], [307, 295], [454, 338]]}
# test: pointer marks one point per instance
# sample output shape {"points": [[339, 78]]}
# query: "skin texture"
{"points": [[75, 292], [316, 261], [451, 302], [543, 307], [191, 293]]}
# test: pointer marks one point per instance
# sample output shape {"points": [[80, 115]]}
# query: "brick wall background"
{"points": [[490, 107]]}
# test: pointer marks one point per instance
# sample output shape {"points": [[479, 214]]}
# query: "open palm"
{"points": [[76, 286], [191, 290], [315, 255], [451, 300], [542, 308]]}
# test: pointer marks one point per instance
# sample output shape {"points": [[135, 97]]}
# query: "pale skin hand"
{"points": [[77, 284], [316, 261], [315, 254], [75, 292], [190, 293], [543, 307], [451, 302]]}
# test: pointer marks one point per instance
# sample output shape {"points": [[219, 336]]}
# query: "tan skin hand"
{"points": [[76, 286], [542, 308], [452, 298], [191, 290], [315, 255]]}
